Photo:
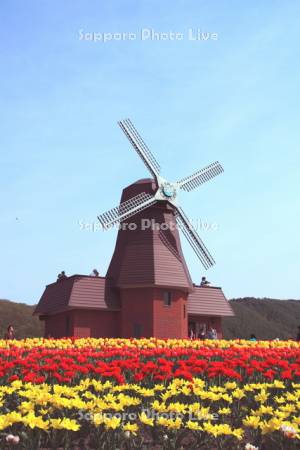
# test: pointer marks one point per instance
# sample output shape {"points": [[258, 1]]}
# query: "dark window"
{"points": [[167, 298], [184, 311], [137, 330]]}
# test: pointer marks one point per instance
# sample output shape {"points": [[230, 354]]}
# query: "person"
{"points": [[61, 275], [202, 334], [298, 335], [10, 333], [95, 273], [214, 333], [211, 334], [253, 337], [191, 333], [204, 282]]}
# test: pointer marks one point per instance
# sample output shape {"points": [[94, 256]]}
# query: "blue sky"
{"points": [[64, 160]]}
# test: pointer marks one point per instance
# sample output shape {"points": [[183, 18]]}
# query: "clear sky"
{"points": [[64, 160]]}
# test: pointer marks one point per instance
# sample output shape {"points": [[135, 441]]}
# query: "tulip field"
{"points": [[118, 394]]}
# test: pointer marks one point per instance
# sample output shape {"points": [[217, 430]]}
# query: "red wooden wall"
{"points": [[96, 323], [83, 323], [170, 321], [145, 315], [137, 311], [59, 325]]}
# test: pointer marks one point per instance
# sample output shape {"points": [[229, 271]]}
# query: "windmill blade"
{"points": [[200, 177], [126, 209], [194, 239], [140, 146]]}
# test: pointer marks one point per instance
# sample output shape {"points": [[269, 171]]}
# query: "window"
{"points": [[137, 330], [184, 311], [167, 298]]}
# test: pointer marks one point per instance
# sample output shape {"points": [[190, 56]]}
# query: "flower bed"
{"points": [[148, 393]]}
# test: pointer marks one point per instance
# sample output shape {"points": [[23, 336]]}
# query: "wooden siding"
{"points": [[78, 291], [170, 321], [149, 257], [208, 301]]}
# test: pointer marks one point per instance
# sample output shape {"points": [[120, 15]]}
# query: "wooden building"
{"points": [[147, 290]]}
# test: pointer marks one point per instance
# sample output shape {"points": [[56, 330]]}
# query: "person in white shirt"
{"points": [[95, 273], [204, 282]]}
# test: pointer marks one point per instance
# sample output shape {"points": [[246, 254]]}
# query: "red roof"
{"points": [[87, 292], [208, 301], [78, 291]]}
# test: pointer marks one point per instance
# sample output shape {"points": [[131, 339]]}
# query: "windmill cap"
{"points": [[147, 185]]}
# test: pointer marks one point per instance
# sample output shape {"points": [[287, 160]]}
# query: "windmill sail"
{"points": [[139, 145], [126, 209], [166, 192], [201, 176], [194, 239]]}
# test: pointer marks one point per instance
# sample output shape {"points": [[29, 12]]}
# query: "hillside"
{"points": [[20, 316], [266, 318]]}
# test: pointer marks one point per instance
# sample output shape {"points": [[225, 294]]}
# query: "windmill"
{"points": [[166, 191], [147, 290]]}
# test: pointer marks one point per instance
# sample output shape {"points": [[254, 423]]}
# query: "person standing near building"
{"points": [[202, 334], [298, 335], [214, 333], [191, 333], [61, 276], [211, 334], [94, 273], [204, 282], [10, 333]]}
